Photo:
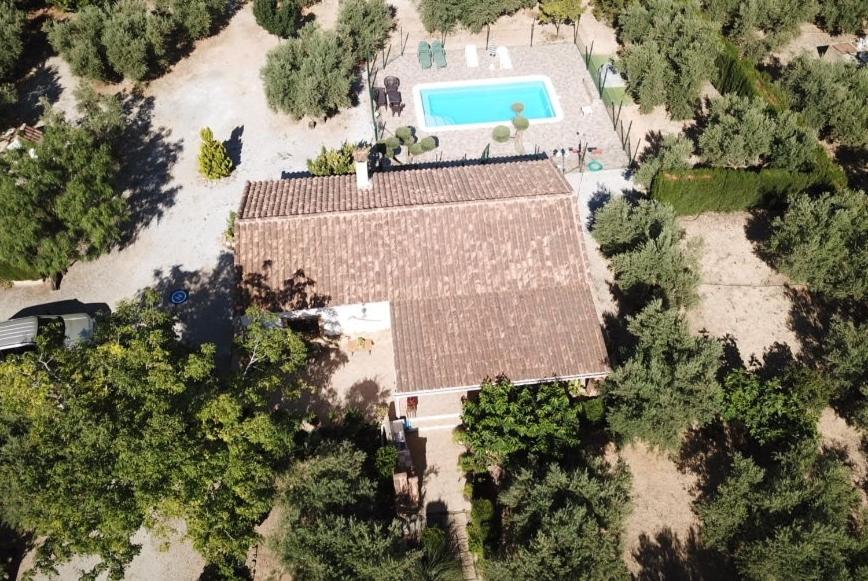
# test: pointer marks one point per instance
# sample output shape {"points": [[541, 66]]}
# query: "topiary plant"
{"points": [[214, 160], [501, 134], [520, 122], [518, 108], [406, 135], [390, 147], [415, 149], [428, 143]]}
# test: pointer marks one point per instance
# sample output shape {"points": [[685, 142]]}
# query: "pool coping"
{"points": [[422, 125]]}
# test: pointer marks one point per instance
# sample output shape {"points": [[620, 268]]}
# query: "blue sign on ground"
{"points": [[179, 296]]}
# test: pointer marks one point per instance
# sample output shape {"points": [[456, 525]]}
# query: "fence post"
{"points": [[575, 32], [629, 127], [532, 23], [590, 52], [621, 104], [487, 35]]}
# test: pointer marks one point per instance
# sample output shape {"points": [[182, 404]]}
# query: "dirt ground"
{"points": [[740, 295], [810, 37]]}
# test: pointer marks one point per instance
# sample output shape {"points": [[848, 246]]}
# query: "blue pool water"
{"points": [[490, 103]]}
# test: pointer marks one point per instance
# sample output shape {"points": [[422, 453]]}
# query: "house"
{"points": [[476, 270]]}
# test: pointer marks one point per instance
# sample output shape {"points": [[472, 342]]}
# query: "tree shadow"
{"points": [[234, 145], [67, 307], [295, 293], [706, 452], [207, 315], [42, 82], [854, 160], [147, 157], [14, 546], [668, 558], [601, 196]]}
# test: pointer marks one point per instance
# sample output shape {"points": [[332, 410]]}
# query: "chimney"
{"points": [[363, 179]]}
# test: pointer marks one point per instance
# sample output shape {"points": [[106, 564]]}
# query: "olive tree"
{"points": [[311, 75], [820, 241], [11, 44], [364, 26]]}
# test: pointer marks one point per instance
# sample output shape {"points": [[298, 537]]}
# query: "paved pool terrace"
{"points": [[561, 63]]}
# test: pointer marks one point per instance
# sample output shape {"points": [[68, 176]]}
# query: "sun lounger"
{"points": [[503, 57], [424, 54], [471, 56], [439, 54]]}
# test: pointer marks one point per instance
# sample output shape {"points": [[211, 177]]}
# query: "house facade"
{"points": [[473, 270]]}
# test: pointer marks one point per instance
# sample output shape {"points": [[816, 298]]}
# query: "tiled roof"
{"points": [[401, 187], [482, 287]]}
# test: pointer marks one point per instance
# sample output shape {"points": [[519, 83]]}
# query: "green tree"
{"points": [[670, 49], [133, 428], [59, 205], [669, 383], [609, 10], [821, 242], [214, 160], [474, 15], [831, 97], [761, 26], [774, 410], [440, 15], [845, 361], [11, 43], [843, 16], [330, 530], [674, 153], [622, 226], [793, 145], [79, 42], [509, 422], [662, 267], [364, 26], [565, 524], [279, 18], [196, 19], [310, 75], [127, 40], [559, 11], [790, 520], [739, 132]]}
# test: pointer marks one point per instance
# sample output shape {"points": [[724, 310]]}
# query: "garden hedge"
{"points": [[693, 191], [735, 74]]}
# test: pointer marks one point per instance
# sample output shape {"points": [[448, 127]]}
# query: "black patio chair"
{"points": [[380, 97], [396, 103], [392, 83]]}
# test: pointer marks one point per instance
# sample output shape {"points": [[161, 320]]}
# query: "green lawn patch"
{"points": [[10, 273], [616, 96]]}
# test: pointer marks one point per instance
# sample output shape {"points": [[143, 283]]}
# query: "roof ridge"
{"points": [[411, 207]]}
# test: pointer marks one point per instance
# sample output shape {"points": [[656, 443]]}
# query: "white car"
{"points": [[21, 333]]}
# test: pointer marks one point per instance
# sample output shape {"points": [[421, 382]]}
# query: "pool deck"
{"points": [[562, 63]]}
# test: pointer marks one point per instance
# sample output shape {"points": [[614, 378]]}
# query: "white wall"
{"points": [[353, 320]]}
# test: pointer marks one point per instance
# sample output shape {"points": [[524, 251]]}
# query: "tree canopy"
{"points": [[11, 45], [132, 39], [821, 241], [61, 204], [761, 26], [670, 48], [830, 96], [564, 524], [673, 153], [668, 384], [445, 15], [331, 529], [311, 75], [646, 251], [744, 131], [792, 519], [364, 26], [134, 428], [509, 422], [843, 16], [279, 18]]}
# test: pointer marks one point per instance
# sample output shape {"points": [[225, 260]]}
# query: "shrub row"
{"points": [[693, 191]]}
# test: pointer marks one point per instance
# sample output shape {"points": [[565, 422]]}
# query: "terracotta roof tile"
{"points": [[489, 283], [401, 187]]}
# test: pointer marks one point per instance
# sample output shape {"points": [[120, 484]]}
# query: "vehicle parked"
{"points": [[19, 334]]}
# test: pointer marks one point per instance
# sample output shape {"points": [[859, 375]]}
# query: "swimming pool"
{"points": [[484, 102]]}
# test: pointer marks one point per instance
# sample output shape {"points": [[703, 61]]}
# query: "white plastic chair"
{"points": [[471, 56]]}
